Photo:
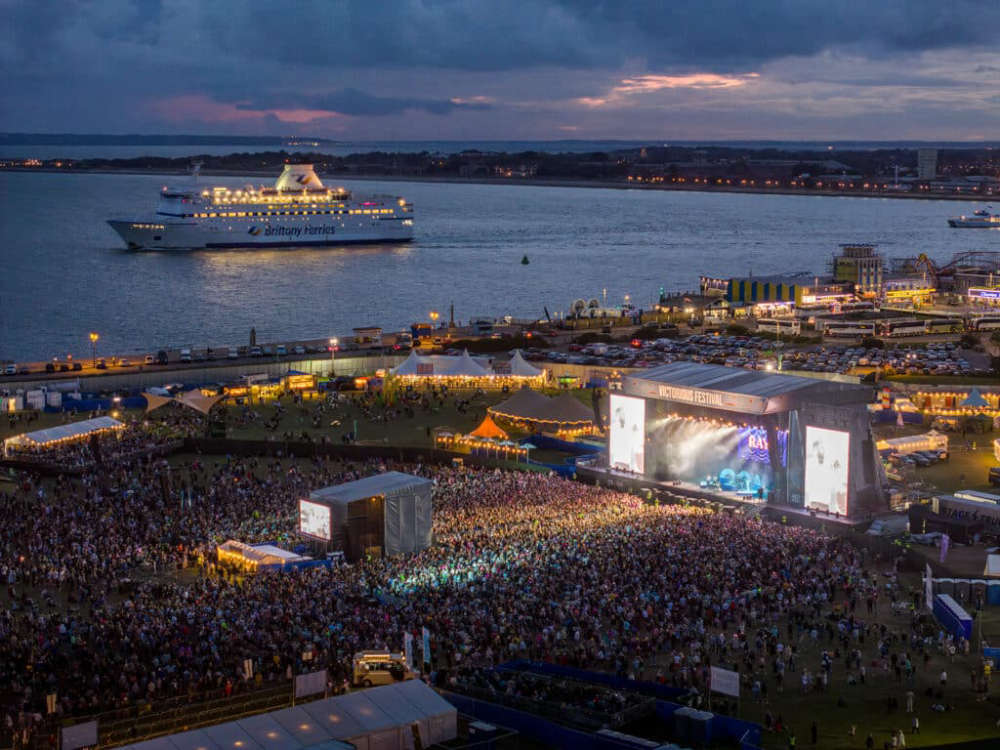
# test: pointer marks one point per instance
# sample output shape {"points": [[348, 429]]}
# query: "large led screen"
{"points": [[627, 444], [314, 520], [826, 468]]}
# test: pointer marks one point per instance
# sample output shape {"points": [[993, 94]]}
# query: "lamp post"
{"points": [[93, 346], [434, 316], [333, 351]]}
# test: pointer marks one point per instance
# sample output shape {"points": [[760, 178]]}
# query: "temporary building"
{"points": [[525, 404], [258, 556], [566, 409], [387, 513], [488, 429], [521, 368], [928, 441], [191, 399], [443, 366], [975, 400], [465, 366], [65, 433], [530, 407], [382, 718]]}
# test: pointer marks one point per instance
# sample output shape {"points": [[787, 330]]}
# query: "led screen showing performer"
{"points": [[827, 453], [627, 444], [314, 520]]}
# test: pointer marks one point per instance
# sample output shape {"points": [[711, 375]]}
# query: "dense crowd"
{"points": [[523, 566]]}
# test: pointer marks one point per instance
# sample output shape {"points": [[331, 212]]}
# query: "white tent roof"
{"points": [[443, 365], [63, 431], [466, 366], [386, 712], [519, 366]]}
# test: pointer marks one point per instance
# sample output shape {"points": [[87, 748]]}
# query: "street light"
{"points": [[434, 316], [333, 350], [93, 346]]}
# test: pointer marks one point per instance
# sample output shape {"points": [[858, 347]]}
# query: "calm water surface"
{"points": [[63, 272]]}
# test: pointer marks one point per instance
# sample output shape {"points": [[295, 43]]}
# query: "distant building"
{"points": [[803, 290], [927, 163], [860, 265]]}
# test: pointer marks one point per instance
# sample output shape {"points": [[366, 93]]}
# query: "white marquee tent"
{"points": [[379, 718]]}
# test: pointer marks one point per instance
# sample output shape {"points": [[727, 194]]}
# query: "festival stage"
{"points": [[747, 504], [746, 439]]}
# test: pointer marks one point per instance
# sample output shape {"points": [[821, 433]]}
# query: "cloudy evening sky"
{"points": [[505, 69]]}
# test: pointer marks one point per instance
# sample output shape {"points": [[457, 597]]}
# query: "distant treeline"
{"points": [[603, 165]]}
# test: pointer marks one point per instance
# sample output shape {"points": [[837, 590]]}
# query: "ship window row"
{"points": [[222, 214], [148, 226]]}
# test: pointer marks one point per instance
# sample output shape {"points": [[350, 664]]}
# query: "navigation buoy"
{"points": [[525, 261]]}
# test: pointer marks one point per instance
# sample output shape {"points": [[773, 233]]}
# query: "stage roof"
{"points": [[733, 389], [389, 483]]}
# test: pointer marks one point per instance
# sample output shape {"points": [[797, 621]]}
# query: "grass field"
{"points": [[865, 706]]}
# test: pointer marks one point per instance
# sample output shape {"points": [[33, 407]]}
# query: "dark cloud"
{"points": [[501, 35], [517, 68], [357, 103]]}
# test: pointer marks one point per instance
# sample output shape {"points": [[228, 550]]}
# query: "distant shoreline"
{"points": [[531, 182]]}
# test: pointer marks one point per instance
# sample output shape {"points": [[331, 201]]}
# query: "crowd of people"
{"points": [[113, 599]]}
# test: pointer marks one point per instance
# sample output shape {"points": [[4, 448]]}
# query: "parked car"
{"points": [[256, 351], [281, 350], [185, 355], [299, 350], [10, 369], [149, 359], [102, 364]]}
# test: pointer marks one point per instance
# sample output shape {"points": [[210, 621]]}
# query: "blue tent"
{"points": [[975, 400]]}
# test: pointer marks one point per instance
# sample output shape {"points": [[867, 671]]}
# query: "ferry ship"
{"points": [[980, 219], [298, 211]]}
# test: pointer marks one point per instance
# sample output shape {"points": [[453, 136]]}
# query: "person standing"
{"points": [[915, 724], [909, 701]]}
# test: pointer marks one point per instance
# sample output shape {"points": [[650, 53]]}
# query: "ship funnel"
{"points": [[298, 177]]}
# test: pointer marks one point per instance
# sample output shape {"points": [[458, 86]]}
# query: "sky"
{"points": [[505, 69]]}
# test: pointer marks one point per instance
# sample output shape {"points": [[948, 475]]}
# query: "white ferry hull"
{"points": [[147, 235]]}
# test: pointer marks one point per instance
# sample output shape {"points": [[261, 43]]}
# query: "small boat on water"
{"points": [[981, 218]]}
